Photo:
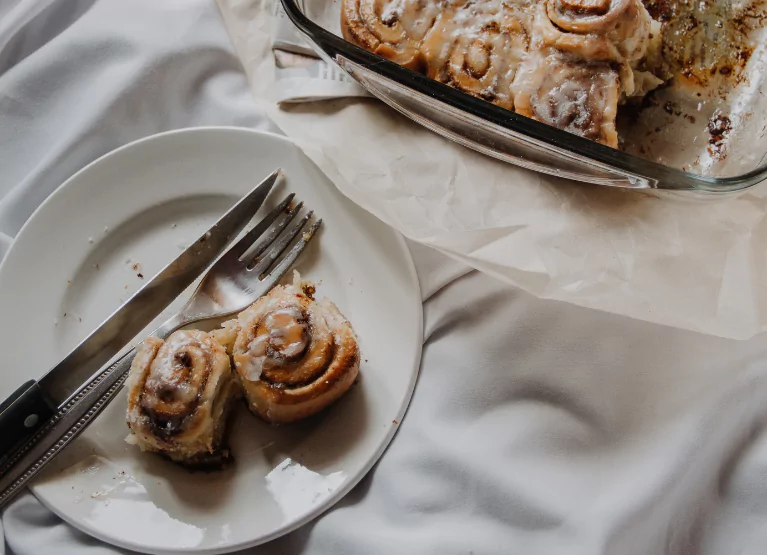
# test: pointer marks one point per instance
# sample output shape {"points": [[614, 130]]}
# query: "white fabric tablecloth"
{"points": [[536, 427]]}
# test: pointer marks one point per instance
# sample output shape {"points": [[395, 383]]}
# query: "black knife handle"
{"points": [[20, 415], [34, 454]]}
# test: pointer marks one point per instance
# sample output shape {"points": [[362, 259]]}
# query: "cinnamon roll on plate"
{"points": [[180, 392], [570, 94], [294, 356]]}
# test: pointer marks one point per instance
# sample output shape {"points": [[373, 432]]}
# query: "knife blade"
{"points": [[35, 402]]}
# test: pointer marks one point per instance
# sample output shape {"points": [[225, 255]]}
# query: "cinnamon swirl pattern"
{"points": [[482, 46], [180, 392], [618, 31], [578, 26], [390, 28], [294, 356], [476, 49], [291, 356], [577, 96]]}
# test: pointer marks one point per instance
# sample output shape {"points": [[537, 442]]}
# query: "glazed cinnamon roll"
{"points": [[390, 28], [476, 49], [565, 57], [294, 356], [568, 93], [180, 392], [576, 26]]}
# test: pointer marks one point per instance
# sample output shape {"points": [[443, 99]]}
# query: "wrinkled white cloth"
{"points": [[536, 427]]}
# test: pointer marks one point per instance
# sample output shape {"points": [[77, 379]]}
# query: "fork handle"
{"points": [[69, 421]]}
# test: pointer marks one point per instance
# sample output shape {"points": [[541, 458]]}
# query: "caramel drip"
{"points": [[286, 349], [293, 356], [288, 332]]}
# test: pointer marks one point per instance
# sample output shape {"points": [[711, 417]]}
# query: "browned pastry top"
{"points": [[480, 46], [178, 395], [293, 355]]}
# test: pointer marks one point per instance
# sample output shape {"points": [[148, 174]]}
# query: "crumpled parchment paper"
{"points": [[699, 265]]}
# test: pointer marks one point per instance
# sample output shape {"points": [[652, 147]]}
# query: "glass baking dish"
{"points": [[683, 158]]}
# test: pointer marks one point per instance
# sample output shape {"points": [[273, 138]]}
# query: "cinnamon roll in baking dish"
{"points": [[618, 31], [390, 28], [476, 48], [180, 392], [294, 356], [568, 93], [592, 54], [579, 26]]}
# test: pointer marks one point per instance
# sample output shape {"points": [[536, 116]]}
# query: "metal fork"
{"points": [[245, 272]]}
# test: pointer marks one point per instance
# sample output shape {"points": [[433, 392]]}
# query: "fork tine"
{"points": [[271, 235], [275, 250], [250, 237], [276, 274]]}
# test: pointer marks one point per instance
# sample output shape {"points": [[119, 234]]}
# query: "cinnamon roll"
{"points": [[568, 93], [180, 392], [565, 57], [390, 28], [294, 356], [476, 49], [576, 26]]}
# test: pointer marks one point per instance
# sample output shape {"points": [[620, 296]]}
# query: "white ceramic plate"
{"points": [[130, 213]]}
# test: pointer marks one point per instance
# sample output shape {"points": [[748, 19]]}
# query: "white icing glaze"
{"points": [[177, 394], [253, 364], [476, 48], [473, 46], [284, 328], [168, 374], [392, 11], [394, 21], [576, 96], [287, 333]]}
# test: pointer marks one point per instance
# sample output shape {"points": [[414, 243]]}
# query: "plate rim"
{"points": [[354, 480]]}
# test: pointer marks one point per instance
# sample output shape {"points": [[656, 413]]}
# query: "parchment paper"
{"points": [[699, 265]]}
